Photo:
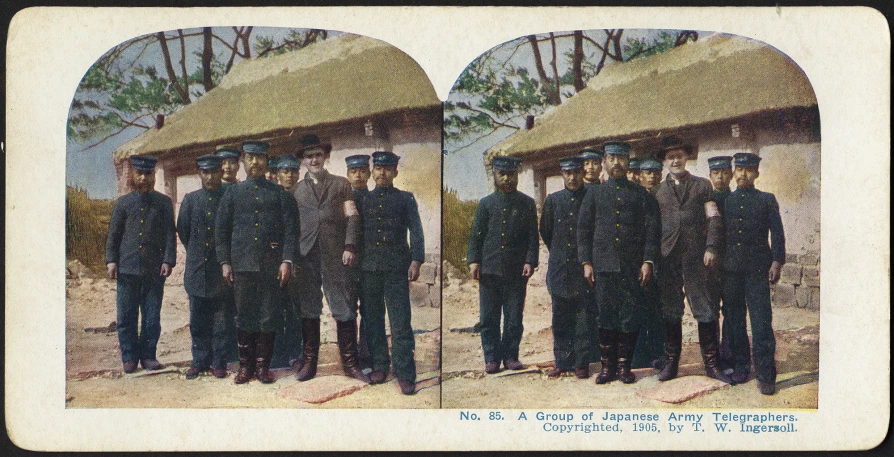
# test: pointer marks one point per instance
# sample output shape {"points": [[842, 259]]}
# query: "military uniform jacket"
{"points": [[504, 234], [720, 198], [619, 227], [141, 234], [256, 226], [195, 225], [683, 220], [388, 214], [558, 228], [322, 212], [749, 215], [359, 195]]}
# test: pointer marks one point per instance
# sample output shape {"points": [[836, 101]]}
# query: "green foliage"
{"points": [[639, 48], [86, 227], [268, 47], [457, 222]]}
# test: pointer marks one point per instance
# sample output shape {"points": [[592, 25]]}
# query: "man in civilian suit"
{"points": [[691, 235], [617, 242], [202, 276], [141, 250], [255, 231]]}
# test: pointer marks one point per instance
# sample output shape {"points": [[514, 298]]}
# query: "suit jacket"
{"points": [[558, 225], [256, 226], [619, 227], [322, 214], [504, 234], [749, 215], [683, 221], [389, 214], [141, 234], [195, 225]]}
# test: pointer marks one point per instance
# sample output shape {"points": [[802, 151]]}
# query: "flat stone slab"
{"points": [[681, 389], [321, 389]]}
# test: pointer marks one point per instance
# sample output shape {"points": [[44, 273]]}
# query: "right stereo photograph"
{"points": [[631, 219]]}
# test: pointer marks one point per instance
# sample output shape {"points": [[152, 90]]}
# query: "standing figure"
{"points": [[286, 350], [330, 229], [503, 253], [592, 165], [141, 250], [229, 165], [571, 295], [721, 173], [202, 275], [617, 242], [389, 265], [750, 266], [633, 170], [270, 174], [691, 234], [255, 231], [358, 176]]}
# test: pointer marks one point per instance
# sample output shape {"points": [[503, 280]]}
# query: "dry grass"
{"points": [[86, 226], [458, 217]]}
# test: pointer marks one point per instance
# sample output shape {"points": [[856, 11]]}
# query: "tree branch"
{"points": [[494, 120], [538, 61], [184, 96], [111, 135], [493, 130]]}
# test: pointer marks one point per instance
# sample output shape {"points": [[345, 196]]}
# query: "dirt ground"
{"points": [[94, 378], [465, 385]]}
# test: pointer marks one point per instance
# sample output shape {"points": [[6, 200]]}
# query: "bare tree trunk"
{"points": [[552, 41], [544, 80], [245, 45], [207, 55], [169, 67], [577, 61], [183, 61], [617, 41], [608, 38]]}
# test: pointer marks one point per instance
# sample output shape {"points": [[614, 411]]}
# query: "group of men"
{"points": [[624, 251], [260, 256]]}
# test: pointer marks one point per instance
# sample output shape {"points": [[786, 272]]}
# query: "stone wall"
{"points": [[799, 284], [426, 291]]}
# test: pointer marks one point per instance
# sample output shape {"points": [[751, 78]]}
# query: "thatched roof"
{"points": [[716, 78], [336, 80]]}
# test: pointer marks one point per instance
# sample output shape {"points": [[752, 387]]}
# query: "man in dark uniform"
{"points": [[750, 266], [202, 275], [358, 176], [256, 230], [286, 349], [389, 265], [691, 234], [650, 345], [570, 293], [633, 170], [721, 173], [141, 250], [229, 165], [270, 174], [503, 253], [592, 165], [617, 243]]}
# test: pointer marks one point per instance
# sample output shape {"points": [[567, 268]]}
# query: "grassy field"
{"points": [[86, 226], [458, 217]]}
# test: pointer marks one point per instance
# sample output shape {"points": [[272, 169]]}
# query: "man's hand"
{"points": [[475, 271], [285, 272], [645, 274], [528, 270], [413, 272], [348, 258], [165, 270], [112, 268], [227, 271], [710, 259], [775, 272], [589, 274]]}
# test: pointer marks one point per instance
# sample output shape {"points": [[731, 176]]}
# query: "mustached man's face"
{"points": [[143, 180], [720, 178], [358, 177], [592, 170], [506, 181], [229, 168], [573, 179], [616, 165], [210, 178], [745, 176], [287, 177], [384, 175], [255, 165]]}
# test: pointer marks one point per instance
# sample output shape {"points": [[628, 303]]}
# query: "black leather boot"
{"points": [[707, 339], [672, 350], [246, 357], [310, 329], [263, 355], [608, 346], [626, 344], [347, 347]]}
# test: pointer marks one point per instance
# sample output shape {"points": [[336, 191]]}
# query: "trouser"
{"points": [[363, 356], [257, 298], [323, 273], [620, 301], [652, 334], [287, 346], [389, 289], [751, 292], [685, 270], [571, 331], [139, 295], [208, 329], [715, 287], [506, 295], [228, 302], [594, 353]]}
